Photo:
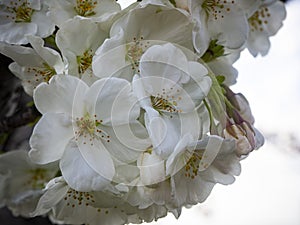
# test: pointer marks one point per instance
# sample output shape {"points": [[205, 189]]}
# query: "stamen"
{"points": [[20, 11], [42, 74], [84, 61], [258, 19], [88, 128], [135, 50], [38, 178], [163, 102], [217, 8], [76, 198], [192, 165], [85, 7]]}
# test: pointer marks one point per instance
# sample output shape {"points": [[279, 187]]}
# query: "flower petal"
{"points": [[77, 173], [58, 96], [112, 100], [166, 61], [50, 137], [97, 157]]}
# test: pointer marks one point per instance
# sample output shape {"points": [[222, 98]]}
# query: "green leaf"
{"points": [[214, 51]]}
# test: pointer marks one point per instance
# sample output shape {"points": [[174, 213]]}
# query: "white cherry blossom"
{"points": [[79, 52], [24, 181], [132, 34], [218, 19], [98, 10], [83, 124], [24, 17], [264, 22], [75, 207], [197, 166], [169, 88], [33, 65]]}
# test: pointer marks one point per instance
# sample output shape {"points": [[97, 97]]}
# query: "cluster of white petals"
{"points": [[137, 115]]}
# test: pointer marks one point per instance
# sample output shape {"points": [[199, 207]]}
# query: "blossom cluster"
{"points": [[137, 115]]}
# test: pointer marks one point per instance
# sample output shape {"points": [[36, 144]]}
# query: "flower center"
{"points": [[38, 178], [44, 73], [85, 7], [135, 50], [216, 8], [164, 102], [259, 18], [77, 198], [192, 166], [84, 61], [20, 11], [161, 104], [87, 128]]}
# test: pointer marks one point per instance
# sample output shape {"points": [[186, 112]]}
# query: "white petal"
{"points": [[15, 33], [212, 148], [58, 96], [77, 173], [132, 138], [152, 169], [50, 56], [175, 162], [80, 43], [221, 66], [50, 137], [232, 29], [24, 56], [45, 26], [174, 26], [97, 157], [165, 61], [112, 100], [51, 198], [109, 59]]}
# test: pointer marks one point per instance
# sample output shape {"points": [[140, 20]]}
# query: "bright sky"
{"points": [[268, 190]]}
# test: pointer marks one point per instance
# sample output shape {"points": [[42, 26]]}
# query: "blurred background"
{"points": [[268, 190]]}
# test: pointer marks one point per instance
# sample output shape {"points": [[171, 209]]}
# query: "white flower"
{"points": [[33, 65], [24, 17], [169, 89], [195, 167], [23, 181], [78, 48], [265, 22], [99, 10], [69, 206], [218, 19], [134, 33], [86, 126]]}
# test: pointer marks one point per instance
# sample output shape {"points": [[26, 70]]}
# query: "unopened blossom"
{"points": [[33, 65], [240, 124], [24, 17], [153, 24], [24, 181]]}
